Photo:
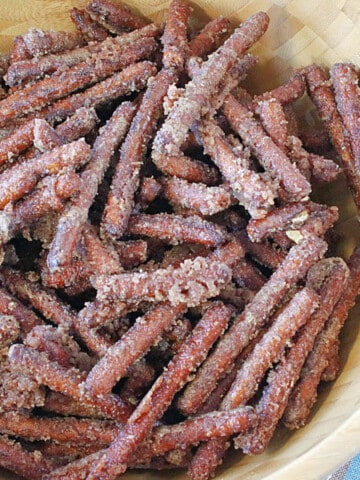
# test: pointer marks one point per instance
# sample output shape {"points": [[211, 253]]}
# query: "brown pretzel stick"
{"points": [[47, 90], [49, 195], [192, 282], [102, 311], [25, 317], [201, 88], [246, 325], [102, 259], [159, 397], [296, 219], [174, 38], [132, 346], [59, 346], [28, 70], [333, 275], [263, 253], [79, 124], [132, 253], [81, 431], [247, 275], [304, 394], [115, 17], [19, 140], [37, 42], [29, 465], [75, 273], [131, 78], [63, 405], [213, 402], [298, 310], [81, 468], [274, 120], [89, 29], [126, 179], [52, 308], [333, 368], [71, 223], [43, 300], [345, 81], [254, 191], [67, 381], [16, 181], [209, 38], [175, 228], [323, 97], [162, 439], [265, 352], [197, 196], [270, 156]]}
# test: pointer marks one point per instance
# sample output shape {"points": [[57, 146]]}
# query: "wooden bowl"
{"points": [[300, 33]]}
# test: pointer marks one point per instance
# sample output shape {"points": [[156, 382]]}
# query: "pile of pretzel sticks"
{"points": [[165, 292]]}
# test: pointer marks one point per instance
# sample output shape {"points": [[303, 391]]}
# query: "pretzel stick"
{"points": [[102, 259], [213, 402], [299, 310], [115, 17], [159, 397], [278, 219], [175, 228], [323, 97], [52, 308], [201, 88], [75, 273], [27, 70], [37, 42], [247, 275], [197, 196], [333, 368], [49, 195], [209, 38], [67, 381], [81, 431], [174, 38], [126, 178], [132, 346], [79, 124], [270, 156], [263, 253], [16, 181], [71, 223], [89, 29], [59, 346], [178, 285], [273, 120], [66, 406], [132, 253], [253, 190], [25, 317], [282, 330], [130, 79], [18, 141], [280, 382], [304, 394], [26, 464], [246, 325], [345, 80], [47, 90]]}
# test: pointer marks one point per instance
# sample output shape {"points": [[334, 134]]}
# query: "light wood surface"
{"points": [[301, 32]]}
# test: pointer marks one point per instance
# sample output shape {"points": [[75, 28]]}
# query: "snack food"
{"points": [[194, 277]]}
